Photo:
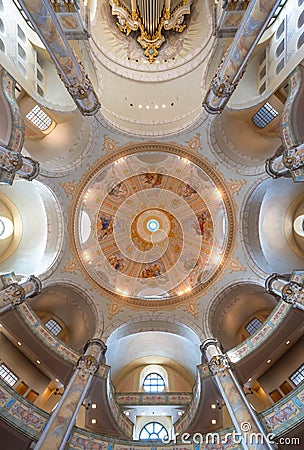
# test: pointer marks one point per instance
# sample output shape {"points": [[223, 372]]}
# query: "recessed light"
{"points": [[287, 342], [163, 106], [93, 421], [213, 421], [19, 343], [140, 106], [56, 379], [147, 107], [213, 406], [180, 413], [156, 106], [37, 361], [94, 406], [268, 361], [127, 413]]}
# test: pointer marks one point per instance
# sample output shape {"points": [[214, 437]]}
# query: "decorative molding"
{"points": [[72, 266], [236, 266], [113, 309], [194, 143], [109, 144], [192, 307], [236, 185], [69, 187]]}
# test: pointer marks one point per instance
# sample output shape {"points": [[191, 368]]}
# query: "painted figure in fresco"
{"points": [[26, 416], [116, 262], [118, 191], [204, 225], [153, 179], [281, 416], [188, 191], [88, 444], [104, 226], [151, 271]]}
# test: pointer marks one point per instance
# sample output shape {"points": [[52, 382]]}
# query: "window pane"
{"points": [[53, 326], [264, 115], [39, 118], [7, 375], [298, 376], [253, 325]]}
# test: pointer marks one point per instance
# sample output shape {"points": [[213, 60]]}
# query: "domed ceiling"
{"points": [[151, 226]]}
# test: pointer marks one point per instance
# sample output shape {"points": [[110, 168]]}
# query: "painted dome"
{"points": [[152, 225]]}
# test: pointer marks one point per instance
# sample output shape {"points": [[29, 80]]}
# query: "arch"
{"points": [[141, 344], [233, 306], [267, 226], [69, 307], [40, 229], [239, 143]]}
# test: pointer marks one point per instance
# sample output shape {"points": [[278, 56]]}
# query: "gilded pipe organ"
{"points": [[151, 18]]}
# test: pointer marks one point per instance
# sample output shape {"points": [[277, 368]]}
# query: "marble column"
{"points": [[17, 293], [69, 68], [291, 292], [234, 62], [62, 420], [247, 426], [15, 163]]}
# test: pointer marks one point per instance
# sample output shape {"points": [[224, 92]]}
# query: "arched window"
{"points": [[153, 431], [154, 383]]}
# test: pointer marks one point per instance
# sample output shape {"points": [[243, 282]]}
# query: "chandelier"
{"points": [[151, 18]]}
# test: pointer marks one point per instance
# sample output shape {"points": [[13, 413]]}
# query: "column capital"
{"points": [[14, 294], [292, 293], [293, 158], [88, 365], [218, 363]]}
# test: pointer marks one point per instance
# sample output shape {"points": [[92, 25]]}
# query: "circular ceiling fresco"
{"points": [[151, 226]]}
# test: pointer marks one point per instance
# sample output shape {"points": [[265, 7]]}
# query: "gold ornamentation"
{"points": [[218, 363], [13, 294], [87, 365], [192, 308], [293, 293], [236, 266], [150, 18], [71, 266], [113, 309], [109, 145], [236, 185], [195, 143], [68, 186]]}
